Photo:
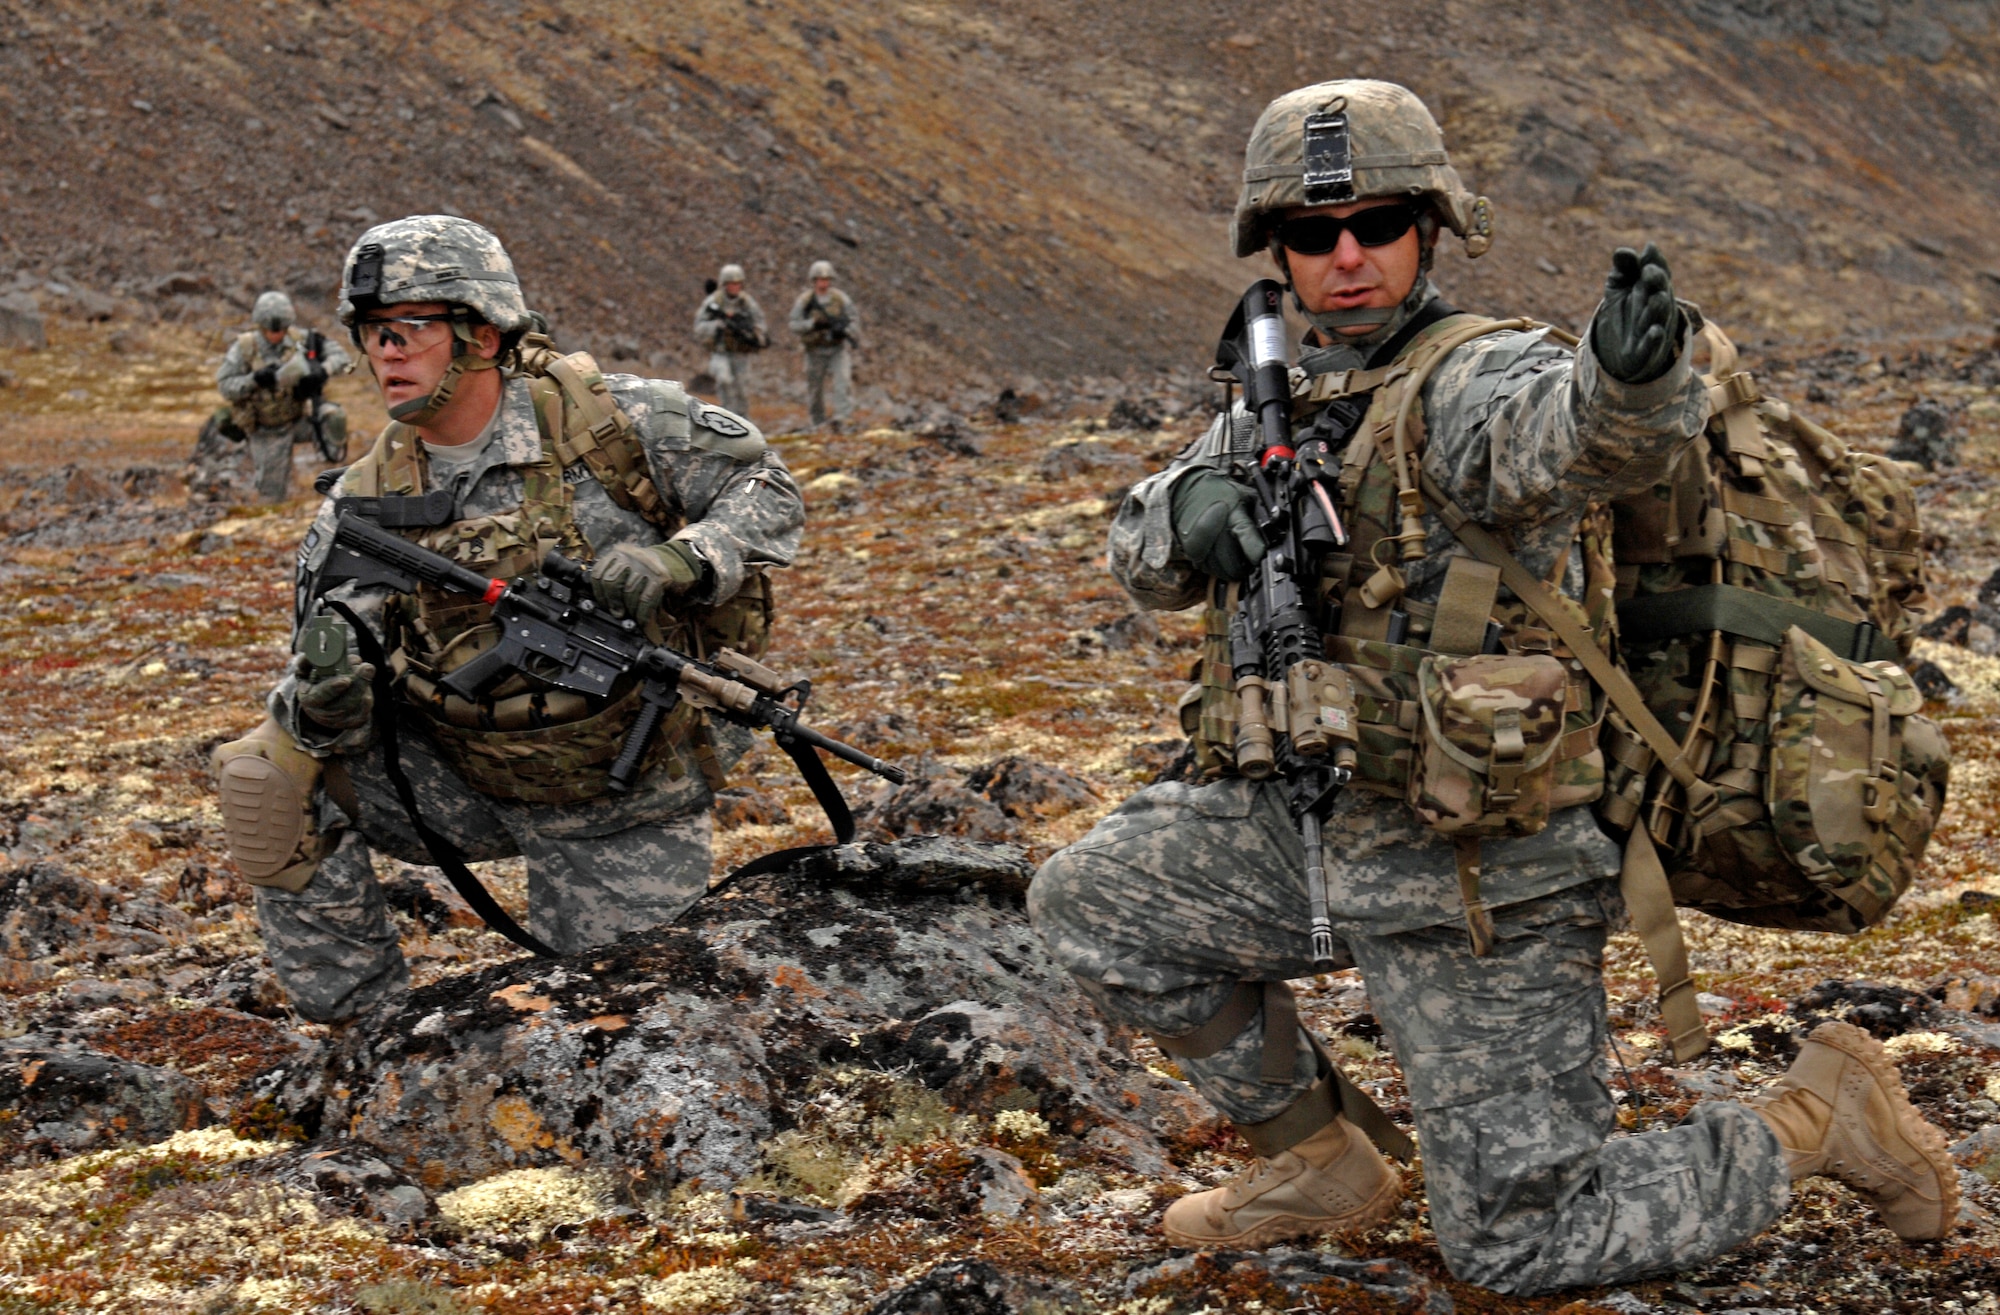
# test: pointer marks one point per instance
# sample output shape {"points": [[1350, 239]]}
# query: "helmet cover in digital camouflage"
{"points": [[273, 311], [821, 269], [730, 274], [436, 258], [1351, 140], [433, 258]]}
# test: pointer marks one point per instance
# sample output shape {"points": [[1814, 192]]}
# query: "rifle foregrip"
{"points": [[644, 727]]}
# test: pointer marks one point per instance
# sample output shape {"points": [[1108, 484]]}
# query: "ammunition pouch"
{"points": [[266, 784], [1490, 730]]}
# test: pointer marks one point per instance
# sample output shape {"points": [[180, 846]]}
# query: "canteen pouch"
{"points": [[1488, 731], [1857, 777]]}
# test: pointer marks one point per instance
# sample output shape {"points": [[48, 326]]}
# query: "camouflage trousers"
{"points": [[1164, 907], [271, 457], [732, 380], [334, 947], [824, 366]]}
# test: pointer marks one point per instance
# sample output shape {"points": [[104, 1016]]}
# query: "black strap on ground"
{"points": [[1750, 615], [442, 851], [831, 802]]}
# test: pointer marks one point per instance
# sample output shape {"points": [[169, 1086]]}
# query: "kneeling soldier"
{"points": [[499, 451], [1183, 913], [272, 377]]}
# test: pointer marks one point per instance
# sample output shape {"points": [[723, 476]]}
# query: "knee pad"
{"points": [[266, 784]]}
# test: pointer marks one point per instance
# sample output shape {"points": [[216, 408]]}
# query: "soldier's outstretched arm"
{"points": [[1522, 432]]}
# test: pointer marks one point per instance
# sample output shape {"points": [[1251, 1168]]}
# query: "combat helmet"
{"points": [[273, 311], [1351, 140], [821, 269], [436, 258], [729, 274]]}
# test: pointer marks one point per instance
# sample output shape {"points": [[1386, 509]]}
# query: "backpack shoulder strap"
{"points": [[1643, 878], [586, 424]]}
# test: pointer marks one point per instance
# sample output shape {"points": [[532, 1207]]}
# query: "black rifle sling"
{"points": [[827, 791], [442, 851]]}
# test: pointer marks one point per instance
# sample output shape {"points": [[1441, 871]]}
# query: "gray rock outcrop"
{"points": [[677, 1054]]}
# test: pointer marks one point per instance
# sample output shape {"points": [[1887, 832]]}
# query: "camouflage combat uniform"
{"points": [[1187, 890], [598, 868], [729, 352], [829, 355], [272, 419]]}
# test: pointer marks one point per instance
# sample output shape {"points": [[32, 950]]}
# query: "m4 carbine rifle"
{"points": [[551, 628], [1296, 714]]}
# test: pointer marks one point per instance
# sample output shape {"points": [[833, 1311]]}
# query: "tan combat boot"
{"points": [[1334, 1181], [1841, 1111]]}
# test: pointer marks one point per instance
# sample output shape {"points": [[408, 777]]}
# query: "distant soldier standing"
{"points": [[272, 378], [730, 324], [827, 322]]}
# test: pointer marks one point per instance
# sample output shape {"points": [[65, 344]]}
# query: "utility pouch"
{"points": [[742, 621], [266, 784], [1487, 740], [1857, 777]]}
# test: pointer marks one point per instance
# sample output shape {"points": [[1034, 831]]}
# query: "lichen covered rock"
{"points": [[677, 1056]]}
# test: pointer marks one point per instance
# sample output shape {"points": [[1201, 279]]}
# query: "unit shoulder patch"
{"points": [[722, 422]]}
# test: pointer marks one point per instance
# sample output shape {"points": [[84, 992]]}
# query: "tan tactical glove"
{"points": [[338, 702], [632, 581]]}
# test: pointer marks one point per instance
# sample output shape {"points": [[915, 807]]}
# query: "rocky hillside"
{"points": [[1014, 187]]}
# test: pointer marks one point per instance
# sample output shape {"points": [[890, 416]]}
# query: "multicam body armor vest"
{"points": [[834, 306], [267, 408], [1362, 586], [524, 739]]}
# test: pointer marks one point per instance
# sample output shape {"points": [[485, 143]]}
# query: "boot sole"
{"points": [[1927, 1140], [1375, 1211]]}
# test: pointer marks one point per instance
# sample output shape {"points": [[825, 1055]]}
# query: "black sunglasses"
{"points": [[1315, 235]]}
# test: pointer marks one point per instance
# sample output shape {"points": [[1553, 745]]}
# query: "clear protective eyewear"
{"points": [[411, 333]]}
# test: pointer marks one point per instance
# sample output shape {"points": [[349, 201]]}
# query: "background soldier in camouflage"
{"points": [[829, 325], [434, 304], [1184, 911], [272, 377], [730, 323]]}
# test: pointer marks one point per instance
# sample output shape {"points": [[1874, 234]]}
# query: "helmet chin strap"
{"points": [[465, 359]]}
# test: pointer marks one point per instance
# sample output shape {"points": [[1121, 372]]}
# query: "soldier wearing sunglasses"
{"points": [[1183, 913]]}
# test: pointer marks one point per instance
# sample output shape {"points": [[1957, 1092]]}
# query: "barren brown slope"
{"points": [[1015, 186]]}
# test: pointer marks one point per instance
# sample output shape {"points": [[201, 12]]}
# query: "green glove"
{"points": [[1213, 526], [631, 581], [1637, 331], [337, 701]]}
